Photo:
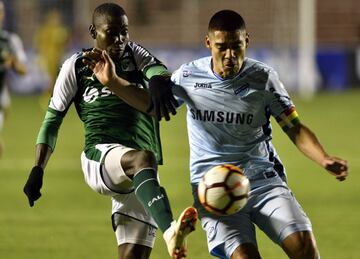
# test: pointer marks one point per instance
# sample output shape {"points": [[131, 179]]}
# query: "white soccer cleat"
{"points": [[175, 235]]}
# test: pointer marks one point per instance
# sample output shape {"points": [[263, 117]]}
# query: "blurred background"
{"points": [[313, 44]]}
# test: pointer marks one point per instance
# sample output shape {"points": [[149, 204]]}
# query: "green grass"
{"points": [[71, 221]]}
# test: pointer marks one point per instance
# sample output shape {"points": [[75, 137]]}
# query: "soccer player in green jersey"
{"points": [[122, 145]]}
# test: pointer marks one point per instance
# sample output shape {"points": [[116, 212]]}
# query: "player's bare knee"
{"points": [[144, 159], [302, 245], [136, 160]]}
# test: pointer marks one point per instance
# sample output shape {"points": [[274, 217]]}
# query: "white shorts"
{"points": [[4, 98], [125, 204], [272, 207], [132, 231]]}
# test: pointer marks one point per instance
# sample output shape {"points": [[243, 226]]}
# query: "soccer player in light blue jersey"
{"points": [[230, 99], [122, 148]]}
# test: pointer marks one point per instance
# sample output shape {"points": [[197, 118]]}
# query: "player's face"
{"points": [[228, 50], [111, 34]]}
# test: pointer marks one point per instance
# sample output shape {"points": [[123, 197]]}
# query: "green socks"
{"points": [[153, 197]]}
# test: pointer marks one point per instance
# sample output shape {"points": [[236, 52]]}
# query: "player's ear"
{"points": [[247, 40], [92, 30], [207, 42]]}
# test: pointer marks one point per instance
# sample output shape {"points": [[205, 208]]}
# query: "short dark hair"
{"points": [[110, 9], [226, 20]]}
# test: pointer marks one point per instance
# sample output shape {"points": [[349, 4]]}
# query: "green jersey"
{"points": [[106, 118]]}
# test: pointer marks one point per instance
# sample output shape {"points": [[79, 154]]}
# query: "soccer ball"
{"points": [[224, 189]]}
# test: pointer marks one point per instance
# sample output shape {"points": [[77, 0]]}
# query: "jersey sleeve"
{"points": [[64, 91], [177, 88], [156, 70], [176, 76], [143, 58], [65, 87], [280, 103]]}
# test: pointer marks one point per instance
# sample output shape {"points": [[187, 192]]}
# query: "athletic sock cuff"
{"points": [[144, 175]]}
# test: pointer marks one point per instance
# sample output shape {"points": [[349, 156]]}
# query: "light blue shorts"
{"points": [[271, 206]]}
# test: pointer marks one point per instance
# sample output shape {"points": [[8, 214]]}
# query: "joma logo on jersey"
{"points": [[155, 199], [91, 93], [202, 85]]}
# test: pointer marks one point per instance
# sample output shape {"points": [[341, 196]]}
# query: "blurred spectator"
{"points": [[12, 57], [50, 42]]}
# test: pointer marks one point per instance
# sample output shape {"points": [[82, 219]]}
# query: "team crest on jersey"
{"points": [[127, 65], [242, 90], [186, 73]]}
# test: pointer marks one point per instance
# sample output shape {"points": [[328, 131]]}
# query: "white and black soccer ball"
{"points": [[224, 189]]}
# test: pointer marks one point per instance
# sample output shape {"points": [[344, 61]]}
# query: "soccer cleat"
{"points": [[175, 235]]}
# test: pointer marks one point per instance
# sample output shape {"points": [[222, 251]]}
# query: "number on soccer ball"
{"points": [[224, 189]]}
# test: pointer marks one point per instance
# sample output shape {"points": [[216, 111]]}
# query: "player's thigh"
{"points": [[121, 163], [227, 235], [300, 244], [133, 251], [104, 173], [278, 214], [135, 160], [246, 251], [114, 174], [129, 160]]}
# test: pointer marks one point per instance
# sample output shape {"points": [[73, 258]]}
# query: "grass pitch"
{"points": [[71, 221]]}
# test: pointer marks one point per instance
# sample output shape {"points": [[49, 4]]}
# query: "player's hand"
{"points": [[162, 100], [101, 64], [337, 167], [34, 184]]}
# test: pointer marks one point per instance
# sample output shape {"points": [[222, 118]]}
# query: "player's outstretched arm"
{"points": [[34, 182], [306, 141]]}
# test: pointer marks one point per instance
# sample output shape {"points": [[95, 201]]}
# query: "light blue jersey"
{"points": [[229, 120]]}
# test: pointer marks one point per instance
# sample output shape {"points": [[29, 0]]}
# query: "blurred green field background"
{"points": [[73, 222]]}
